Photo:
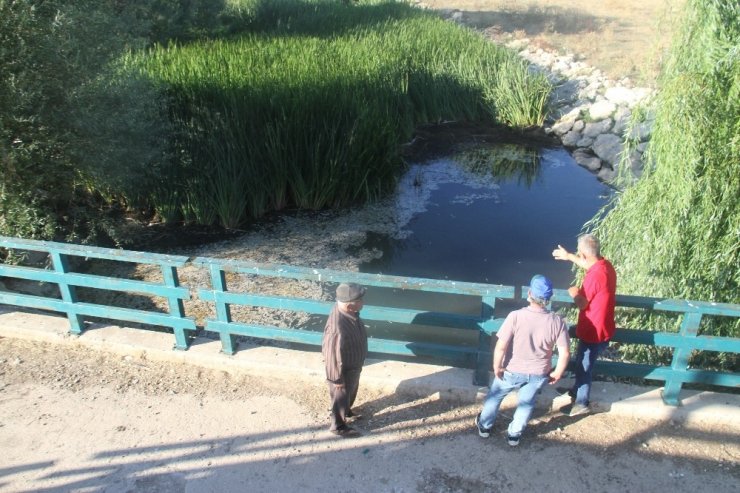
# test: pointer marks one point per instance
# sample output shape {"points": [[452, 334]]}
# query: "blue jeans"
{"points": [[528, 385], [585, 358]]}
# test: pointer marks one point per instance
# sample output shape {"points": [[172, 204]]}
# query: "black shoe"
{"points": [[564, 391], [483, 432], [513, 441], [345, 431]]}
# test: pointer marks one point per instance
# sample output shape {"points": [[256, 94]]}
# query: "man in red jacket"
{"points": [[595, 300]]}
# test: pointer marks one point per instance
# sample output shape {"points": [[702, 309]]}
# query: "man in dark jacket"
{"points": [[344, 347]]}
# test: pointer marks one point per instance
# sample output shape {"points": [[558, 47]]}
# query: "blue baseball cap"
{"points": [[540, 287]]}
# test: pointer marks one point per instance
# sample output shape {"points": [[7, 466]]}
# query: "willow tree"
{"points": [[676, 232]]}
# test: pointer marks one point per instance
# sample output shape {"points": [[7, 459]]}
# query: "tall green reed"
{"points": [[307, 102]]}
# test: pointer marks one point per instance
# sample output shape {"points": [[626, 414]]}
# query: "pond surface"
{"points": [[490, 215], [485, 214]]}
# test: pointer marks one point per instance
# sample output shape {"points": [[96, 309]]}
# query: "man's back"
{"points": [[533, 333]]}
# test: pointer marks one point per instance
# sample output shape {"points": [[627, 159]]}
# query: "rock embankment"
{"points": [[604, 123]]}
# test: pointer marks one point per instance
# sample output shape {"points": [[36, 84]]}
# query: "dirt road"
{"points": [[77, 419]]}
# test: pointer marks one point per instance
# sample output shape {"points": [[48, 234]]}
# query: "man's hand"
{"points": [[554, 377], [499, 372], [561, 253], [573, 291]]}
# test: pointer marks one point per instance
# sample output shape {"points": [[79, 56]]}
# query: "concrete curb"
{"points": [[418, 380]]}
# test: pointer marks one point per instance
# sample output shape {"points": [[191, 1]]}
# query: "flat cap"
{"points": [[347, 292]]}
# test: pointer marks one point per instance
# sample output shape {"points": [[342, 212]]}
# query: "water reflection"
{"points": [[504, 162], [490, 215], [484, 214]]}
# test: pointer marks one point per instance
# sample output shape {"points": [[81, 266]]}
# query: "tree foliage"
{"points": [[676, 232], [74, 127]]}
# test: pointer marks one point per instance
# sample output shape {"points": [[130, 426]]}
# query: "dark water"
{"points": [[495, 228], [490, 215]]}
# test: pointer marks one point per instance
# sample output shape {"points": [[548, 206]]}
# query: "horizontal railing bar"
{"points": [[703, 307], [93, 281], [704, 343], [650, 372], [369, 312], [658, 304], [401, 348], [93, 252], [492, 326], [100, 311], [378, 280]]}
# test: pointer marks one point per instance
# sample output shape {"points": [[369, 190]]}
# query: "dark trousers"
{"points": [[586, 356], [343, 397]]}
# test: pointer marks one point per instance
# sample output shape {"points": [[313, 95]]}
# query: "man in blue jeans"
{"points": [[595, 299], [522, 359]]}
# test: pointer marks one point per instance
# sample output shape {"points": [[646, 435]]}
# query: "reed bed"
{"points": [[305, 103]]}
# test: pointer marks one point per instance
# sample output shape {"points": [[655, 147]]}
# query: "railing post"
{"points": [[76, 323], [689, 328], [484, 362], [177, 309], [223, 312]]}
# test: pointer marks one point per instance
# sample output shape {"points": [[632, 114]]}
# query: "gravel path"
{"points": [[76, 419]]}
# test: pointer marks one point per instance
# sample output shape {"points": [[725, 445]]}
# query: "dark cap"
{"points": [[347, 292]]}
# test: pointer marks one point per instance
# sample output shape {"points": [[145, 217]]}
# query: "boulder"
{"points": [[571, 138], [608, 147], [621, 120], [601, 110], [585, 142], [624, 95], [587, 160], [562, 127], [595, 129], [641, 131], [606, 174]]}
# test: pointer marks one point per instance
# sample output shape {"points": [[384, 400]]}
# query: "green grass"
{"points": [[305, 103]]}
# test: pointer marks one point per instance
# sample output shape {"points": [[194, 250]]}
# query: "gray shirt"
{"points": [[531, 335]]}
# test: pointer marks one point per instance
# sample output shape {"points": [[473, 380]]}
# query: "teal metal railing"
{"points": [[57, 270], [684, 342], [484, 323]]}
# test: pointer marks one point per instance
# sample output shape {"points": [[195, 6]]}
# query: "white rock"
{"points": [[601, 110], [562, 127], [624, 95], [578, 125]]}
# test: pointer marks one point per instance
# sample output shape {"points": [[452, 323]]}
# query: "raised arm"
{"points": [[561, 253]]}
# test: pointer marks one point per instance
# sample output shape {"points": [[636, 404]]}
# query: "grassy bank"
{"points": [[305, 103]]}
